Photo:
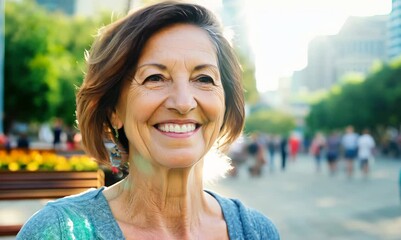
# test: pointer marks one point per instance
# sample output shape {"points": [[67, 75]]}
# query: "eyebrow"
{"points": [[163, 67], [157, 65], [200, 67]]}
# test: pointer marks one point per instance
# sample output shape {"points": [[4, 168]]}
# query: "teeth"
{"points": [[176, 128]]}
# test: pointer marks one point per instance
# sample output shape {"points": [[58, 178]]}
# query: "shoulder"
{"points": [[244, 222], [53, 220], [43, 224]]}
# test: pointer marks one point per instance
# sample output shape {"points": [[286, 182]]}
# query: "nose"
{"points": [[181, 98]]}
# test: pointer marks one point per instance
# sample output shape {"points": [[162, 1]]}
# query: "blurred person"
{"points": [[366, 145], [45, 133], [237, 155], [272, 146], [333, 147], [283, 151], [4, 142], [70, 133], [57, 131], [294, 145], [349, 143], [316, 149], [256, 155], [23, 141], [165, 86]]}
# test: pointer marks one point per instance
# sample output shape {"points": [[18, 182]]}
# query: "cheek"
{"points": [[140, 105], [214, 106]]}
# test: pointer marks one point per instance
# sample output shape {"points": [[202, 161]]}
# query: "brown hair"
{"points": [[114, 56]]}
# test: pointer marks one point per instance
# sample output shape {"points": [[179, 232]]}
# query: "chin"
{"points": [[180, 160]]}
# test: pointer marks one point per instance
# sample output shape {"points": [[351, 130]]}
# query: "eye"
{"points": [[205, 79], [154, 78]]}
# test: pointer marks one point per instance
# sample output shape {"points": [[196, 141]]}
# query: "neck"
{"points": [[171, 200]]}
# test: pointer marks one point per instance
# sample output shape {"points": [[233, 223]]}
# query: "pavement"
{"points": [[306, 204], [303, 203]]}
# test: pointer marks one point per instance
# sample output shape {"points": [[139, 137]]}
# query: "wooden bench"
{"points": [[44, 185]]}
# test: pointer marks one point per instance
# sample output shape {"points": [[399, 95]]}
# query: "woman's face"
{"points": [[173, 109]]}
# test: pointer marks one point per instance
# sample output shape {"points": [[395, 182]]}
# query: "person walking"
{"points": [[333, 145], [283, 151], [349, 143], [272, 145], [366, 145], [316, 149]]}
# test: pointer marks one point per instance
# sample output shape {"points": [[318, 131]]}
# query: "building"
{"points": [[233, 17], [360, 42], [394, 30]]}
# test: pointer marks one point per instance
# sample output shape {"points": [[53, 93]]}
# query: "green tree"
{"points": [[371, 103], [248, 79], [29, 69], [269, 121], [44, 62]]}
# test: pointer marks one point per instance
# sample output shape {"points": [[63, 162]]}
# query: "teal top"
{"points": [[88, 216]]}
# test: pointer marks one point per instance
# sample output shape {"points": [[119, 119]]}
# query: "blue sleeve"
{"points": [[43, 225], [264, 226]]}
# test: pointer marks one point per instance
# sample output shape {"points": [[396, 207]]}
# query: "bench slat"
{"points": [[35, 184]]}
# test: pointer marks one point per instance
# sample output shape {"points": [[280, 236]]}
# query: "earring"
{"points": [[115, 157]]}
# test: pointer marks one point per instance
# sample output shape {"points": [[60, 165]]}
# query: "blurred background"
{"points": [[311, 69]]}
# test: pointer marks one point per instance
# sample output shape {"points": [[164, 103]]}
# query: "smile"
{"points": [[176, 128]]}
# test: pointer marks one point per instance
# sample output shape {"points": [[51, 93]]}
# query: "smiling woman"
{"points": [[165, 86]]}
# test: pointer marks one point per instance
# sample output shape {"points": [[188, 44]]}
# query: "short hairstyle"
{"points": [[113, 59]]}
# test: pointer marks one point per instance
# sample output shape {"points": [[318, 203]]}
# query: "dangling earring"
{"points": [[115, 157]]}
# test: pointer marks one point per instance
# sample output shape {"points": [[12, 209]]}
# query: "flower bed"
{"points": [[32, 160]]}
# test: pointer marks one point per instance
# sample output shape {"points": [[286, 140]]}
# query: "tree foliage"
{"points": [[44, 61], [248, 79], [372, 103], [269, 121]]}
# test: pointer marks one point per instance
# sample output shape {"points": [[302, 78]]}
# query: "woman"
{"points": [[164, 85]]}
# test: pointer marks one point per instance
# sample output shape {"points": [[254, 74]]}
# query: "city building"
{"points": [[394, 30], [233, 15], [360, 42]]}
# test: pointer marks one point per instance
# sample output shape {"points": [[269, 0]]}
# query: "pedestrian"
{"points": [[316, 149], [283, 151], [366, 145], [333, 146], [294, 145], [273, 142], [165, 86], [238, 155], [350, 145], [256, 155], [57, 131], [23, 141]]}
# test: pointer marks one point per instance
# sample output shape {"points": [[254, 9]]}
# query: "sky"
{"points": [[280, 30]]}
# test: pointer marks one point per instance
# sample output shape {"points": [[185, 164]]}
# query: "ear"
{"points": [[115, 120]]}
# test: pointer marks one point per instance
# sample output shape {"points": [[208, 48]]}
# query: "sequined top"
{"points": [[88, 216]]}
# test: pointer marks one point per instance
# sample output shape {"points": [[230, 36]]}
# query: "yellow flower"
{"points": [[34, 160], [13, 166], [32, 166]]}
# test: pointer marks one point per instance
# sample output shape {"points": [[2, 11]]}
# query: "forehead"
{"points": [[180, 39]]}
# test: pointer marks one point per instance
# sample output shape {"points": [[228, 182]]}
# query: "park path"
{"points": [[308, 205]]}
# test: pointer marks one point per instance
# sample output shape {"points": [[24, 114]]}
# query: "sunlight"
{"points": [[280, 30]]}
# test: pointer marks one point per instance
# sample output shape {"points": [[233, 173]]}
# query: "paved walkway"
{"points": [[308, 205]]}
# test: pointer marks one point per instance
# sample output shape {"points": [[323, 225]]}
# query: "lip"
{"points": [[179, 121]]}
